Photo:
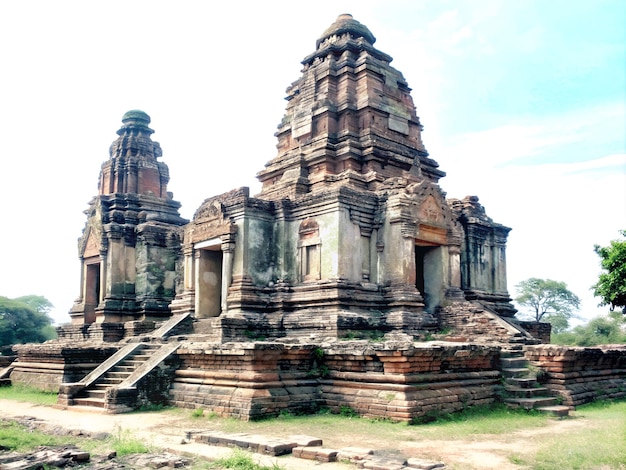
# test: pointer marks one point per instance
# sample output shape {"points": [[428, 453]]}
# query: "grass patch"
{"points": [[18, 438], [28, 394], [197, 413], [240, 460], [601, 444], [124, 443], [480, 420], [495, 419]]}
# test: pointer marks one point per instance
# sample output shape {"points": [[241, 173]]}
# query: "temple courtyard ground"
{"points": [[167, 430]]}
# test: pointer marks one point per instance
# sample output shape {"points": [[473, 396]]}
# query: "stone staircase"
{"points": [[132, 375], [521, 388], [95, 394]]}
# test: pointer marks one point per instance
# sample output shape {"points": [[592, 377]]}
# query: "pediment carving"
{"points": [[90, 244], [430, 211], [209, 211]]}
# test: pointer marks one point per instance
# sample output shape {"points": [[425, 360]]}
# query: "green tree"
{"points": [[547, 300], [606, 329], [21, 322], [611, 285], [38, 302]]}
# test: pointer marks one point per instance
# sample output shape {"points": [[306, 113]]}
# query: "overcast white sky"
{"points": [[523, 104]]}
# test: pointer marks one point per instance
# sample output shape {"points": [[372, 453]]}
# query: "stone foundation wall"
{"points": [[380, 380], [107, 332], [540, 330], [48, 365], [472, 321], [581, 375], [409, 382], [246, 380]]}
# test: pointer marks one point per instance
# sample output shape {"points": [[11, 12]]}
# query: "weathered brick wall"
{"points": [[581, 375], [411, 381], [45, 366], [471, 321], [245, 380], [379, 380], [540, 330], [108, 332]]}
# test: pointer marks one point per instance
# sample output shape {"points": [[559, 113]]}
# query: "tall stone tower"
{"points": [[350, 121], [351, 232], [131, 242]]}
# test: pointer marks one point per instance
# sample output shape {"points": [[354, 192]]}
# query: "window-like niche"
{"points": [[309, 250]]}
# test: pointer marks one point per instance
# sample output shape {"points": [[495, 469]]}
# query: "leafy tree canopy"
{"points": [[606, 329], [24, 320], [611, 285], [547, 300], [38, 302]]}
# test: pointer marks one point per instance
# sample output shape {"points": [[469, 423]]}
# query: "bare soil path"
{"points": [[167, 431]]}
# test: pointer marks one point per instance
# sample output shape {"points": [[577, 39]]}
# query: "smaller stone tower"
{"points": [[130, 245]]}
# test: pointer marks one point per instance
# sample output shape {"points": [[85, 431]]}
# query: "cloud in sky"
{"points": [[522, 103]]}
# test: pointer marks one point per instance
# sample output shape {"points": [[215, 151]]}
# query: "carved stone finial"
{"points": [[137, 119], [345, 23]]}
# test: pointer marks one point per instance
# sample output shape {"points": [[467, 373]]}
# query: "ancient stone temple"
{"points": [[130, 244], [326, 289], [351, 233]]}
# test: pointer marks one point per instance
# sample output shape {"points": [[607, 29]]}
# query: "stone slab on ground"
{"points": [[254, 443], [317, 453], [353, 454], [559, 411], [382, 463], [423, 464], [306, 441]]}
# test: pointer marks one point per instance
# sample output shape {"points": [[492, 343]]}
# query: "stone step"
{"points": [[118, 375], [99, 386], [521, 382], [110, 381], [92, 402], [98, 394], [531, 403], [555, 410], [513, 362], [517, 340], [130, 363], [514, 372], [512, 349], [141, 357], [527, 392]]}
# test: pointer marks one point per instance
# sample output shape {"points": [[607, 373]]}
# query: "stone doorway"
{"points": [[209, 261], [92, 291], [429, 274]]}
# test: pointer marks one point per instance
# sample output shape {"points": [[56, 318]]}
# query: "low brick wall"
{"points": [[409, 381], [381, 380], [48, 365], [105, 332], [540, 330], [581, 375], [246, 380]]}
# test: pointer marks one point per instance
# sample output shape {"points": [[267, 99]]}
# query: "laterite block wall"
{"points": [[378, 380], [581, 375], [45, 366]]}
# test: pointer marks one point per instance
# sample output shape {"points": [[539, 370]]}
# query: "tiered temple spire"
{"points": [[350, 118]]}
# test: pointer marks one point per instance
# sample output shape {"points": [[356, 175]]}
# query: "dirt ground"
{"points": [[167, 431]]}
